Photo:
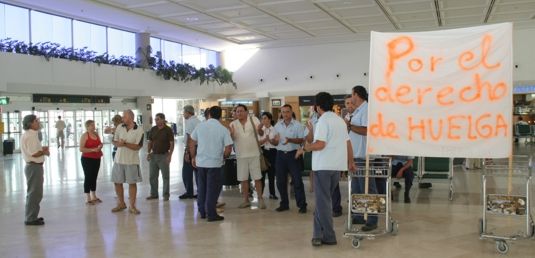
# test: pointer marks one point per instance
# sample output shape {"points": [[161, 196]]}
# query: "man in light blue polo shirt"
{"points": [[289, 136], [214, 144], [358, 127]]}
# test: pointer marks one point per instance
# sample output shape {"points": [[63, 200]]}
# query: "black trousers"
{"points": [[271, 156], [91, 167]]}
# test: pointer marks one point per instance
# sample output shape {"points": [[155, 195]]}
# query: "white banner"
{"points": [[442, 93]]}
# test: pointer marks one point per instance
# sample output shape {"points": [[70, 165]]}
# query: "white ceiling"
{"points": [[217, 24]]}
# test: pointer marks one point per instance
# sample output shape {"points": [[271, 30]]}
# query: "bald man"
{"points": [[128, 139]]}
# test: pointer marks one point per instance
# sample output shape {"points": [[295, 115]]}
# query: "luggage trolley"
{"points": [[506, 204], [370, 204]]}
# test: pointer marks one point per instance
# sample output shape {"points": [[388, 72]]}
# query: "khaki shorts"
{"points": [[129, 174], [248, 166], [60, 134]]}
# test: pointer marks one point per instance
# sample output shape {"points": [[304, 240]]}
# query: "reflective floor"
{"points": [[431, 226]]}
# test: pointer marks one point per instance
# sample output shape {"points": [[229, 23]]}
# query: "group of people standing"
{"points": [[335, 143]]}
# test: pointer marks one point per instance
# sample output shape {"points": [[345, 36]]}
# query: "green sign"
{"points": [[4, 100]]}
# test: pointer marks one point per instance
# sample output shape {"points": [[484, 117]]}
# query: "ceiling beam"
{"points": [[275, 16], [335, 17], [437, 11], [142, 5], [387, 14], [489, 11]]}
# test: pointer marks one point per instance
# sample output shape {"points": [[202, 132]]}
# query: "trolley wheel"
{"points": [[356, 242], [502, 247], [394, 226], [450, 195], [480, 226]]}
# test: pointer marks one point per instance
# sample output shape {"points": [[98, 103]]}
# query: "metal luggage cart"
{"points": [[370, 204], [507, 204]]}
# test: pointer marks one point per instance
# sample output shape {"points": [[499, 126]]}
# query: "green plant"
{"points": [[168, 71]]}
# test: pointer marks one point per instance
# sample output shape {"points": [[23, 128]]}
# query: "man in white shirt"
{"points": [[128, 138], [188, 171], [60, 135], [34, 155], [331, 153], [243, 134]]}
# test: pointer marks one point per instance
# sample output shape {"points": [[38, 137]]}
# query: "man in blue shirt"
{"points": [[289, 136], [358, 127], [214, 144]]}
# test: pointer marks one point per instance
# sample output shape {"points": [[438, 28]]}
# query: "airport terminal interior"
{"points": [[94, 59]]}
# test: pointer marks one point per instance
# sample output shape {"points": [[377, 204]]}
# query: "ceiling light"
{"points": [[191, 19]]}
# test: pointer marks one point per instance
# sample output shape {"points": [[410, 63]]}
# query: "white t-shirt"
{"points": [[29, 145], [189, 126], [60, 125], [332, 130], [268, 132], [124, 155], [244, 138]]}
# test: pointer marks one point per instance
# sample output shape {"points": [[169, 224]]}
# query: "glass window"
{"points": [[121, 43], [171, 51], [89, 35], [14, 23], [208, 57], [51, 28], [191, 55], [155, 45]]}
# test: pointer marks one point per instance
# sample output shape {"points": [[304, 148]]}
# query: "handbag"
{"points": [[264, 164]]}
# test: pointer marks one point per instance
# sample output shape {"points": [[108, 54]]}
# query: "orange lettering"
{"points": [[468, 56], [421, 93], [434, 62], [383, 93], [380, 130], [420, 127], [486, 127], [493, 95], [470, 130], [501, 124], [394, 55], [452, 126], [485, 46], [415, 65], [430, 125], [443, 93], [401, 92]]}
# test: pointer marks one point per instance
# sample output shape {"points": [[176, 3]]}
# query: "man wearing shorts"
{"points": [[128, 139], [247, 154]]}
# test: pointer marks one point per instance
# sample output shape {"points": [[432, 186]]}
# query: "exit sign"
{"points": [[4, 100]]}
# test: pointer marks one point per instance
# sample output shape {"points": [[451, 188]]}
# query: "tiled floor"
{"points": [[431, 226]]}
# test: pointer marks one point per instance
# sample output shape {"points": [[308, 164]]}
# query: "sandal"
{"points": [[134, 211], [118, 208], [91, 202], [97, 200]]}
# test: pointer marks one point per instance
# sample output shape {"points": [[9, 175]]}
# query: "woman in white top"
{"points": [[269, 151]]}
